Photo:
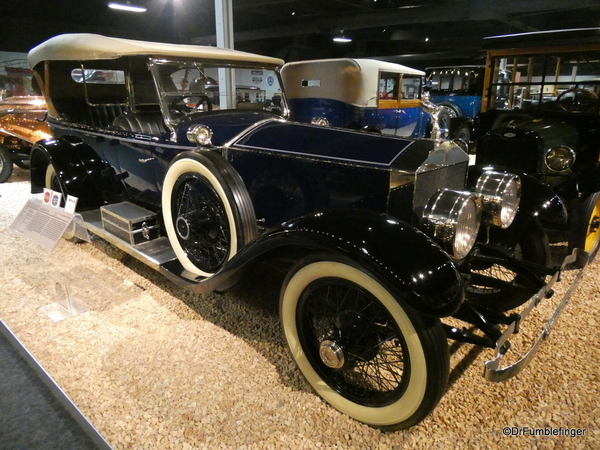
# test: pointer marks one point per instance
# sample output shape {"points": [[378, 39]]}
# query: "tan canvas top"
{"points": [[93, 46]]}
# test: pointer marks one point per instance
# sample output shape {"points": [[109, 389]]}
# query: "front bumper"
{"points": [[493, 371]]}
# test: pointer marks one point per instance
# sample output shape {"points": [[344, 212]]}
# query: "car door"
{"points": [[399, 104]]}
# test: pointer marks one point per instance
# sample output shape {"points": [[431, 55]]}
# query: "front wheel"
{"points": [[6, 164], [585, 226], [496, 286], [362, 349]]}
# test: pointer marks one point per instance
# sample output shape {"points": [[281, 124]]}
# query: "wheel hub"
{"points": [[183, 228], [355, 337], [332, 354]]}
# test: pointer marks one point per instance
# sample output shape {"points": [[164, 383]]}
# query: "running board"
{"points": [[154, 253], [493, 372]]}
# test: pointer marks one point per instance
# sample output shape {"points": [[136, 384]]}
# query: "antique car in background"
{"points": [[22, 123], [544, 120], [363, 94], [458, 89], [377, 238]]}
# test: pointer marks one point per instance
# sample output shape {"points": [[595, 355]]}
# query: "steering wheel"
{"points": [[179, 105], [582, 100]]}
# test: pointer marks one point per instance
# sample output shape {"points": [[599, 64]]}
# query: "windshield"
{"points": [[567, 82], [188, 88]]}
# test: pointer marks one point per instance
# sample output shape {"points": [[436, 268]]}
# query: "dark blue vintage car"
{"points": [[183, 157]]}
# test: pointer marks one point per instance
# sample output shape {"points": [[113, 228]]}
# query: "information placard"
{"points": [[42, 223]]}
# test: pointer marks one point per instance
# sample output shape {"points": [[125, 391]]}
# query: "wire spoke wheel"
{"points": [[353, 342], [362, 349], [503, 276], [201, 222], [496, 286]]}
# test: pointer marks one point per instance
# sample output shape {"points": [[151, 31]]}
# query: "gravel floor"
{"points": [[155, 367]]}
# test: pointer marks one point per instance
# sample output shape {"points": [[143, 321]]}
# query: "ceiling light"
{"points": [[126, 7], [342, 38]]}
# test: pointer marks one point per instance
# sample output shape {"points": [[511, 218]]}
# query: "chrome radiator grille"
{"points": [[437, 177]]}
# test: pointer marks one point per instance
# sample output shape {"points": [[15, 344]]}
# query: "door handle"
{"points": [[145, 160]]}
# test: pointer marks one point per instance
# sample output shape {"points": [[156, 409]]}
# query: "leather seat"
{"points": [[145, 123]]}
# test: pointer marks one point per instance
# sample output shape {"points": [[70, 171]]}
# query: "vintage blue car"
{"points": [[363, 94], [459, 90], [379, 237]]}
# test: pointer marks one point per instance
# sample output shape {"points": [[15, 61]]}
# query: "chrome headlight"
{"points": [[500, 194], [199, 134], [560, 158], [453, 218]]}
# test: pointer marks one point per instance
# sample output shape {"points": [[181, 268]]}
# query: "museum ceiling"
{"points": [[402, 30]]}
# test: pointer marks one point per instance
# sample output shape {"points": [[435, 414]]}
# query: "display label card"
{"points": [[42, 223], [47, 196], [70, 204], [56, 197]]}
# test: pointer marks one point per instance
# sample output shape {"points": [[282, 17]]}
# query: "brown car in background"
{"points": [[22, 123]]}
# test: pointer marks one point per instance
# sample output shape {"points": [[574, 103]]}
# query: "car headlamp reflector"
{"points": [[560, 158], [453, 218], [500, 194], [199, 134]]}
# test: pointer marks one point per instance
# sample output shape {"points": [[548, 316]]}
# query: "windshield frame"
{"points": [[164, 93]]}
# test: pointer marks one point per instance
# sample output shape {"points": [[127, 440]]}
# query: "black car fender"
{"points": [[405, 259], [84, 174]]}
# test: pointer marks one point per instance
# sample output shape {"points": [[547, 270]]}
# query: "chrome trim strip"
{"points": [[251, 128], [492, 371]]}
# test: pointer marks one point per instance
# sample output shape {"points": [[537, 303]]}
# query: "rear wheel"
{"points": [[585, 226], [207, 212], [463, 135], [52, 181], [6, 164], [445, 117], [364, 351]]}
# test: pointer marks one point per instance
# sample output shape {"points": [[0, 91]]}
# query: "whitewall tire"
{"points": [[363, 350]]}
